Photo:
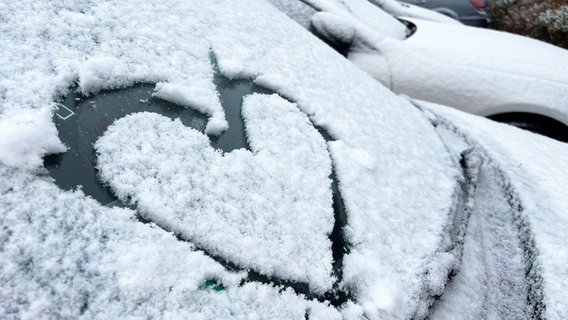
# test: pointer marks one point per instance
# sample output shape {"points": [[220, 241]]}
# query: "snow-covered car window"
{"points": [[338, 199], [145, 157], [81, 120]]}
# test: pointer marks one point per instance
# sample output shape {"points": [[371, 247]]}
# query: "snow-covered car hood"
{"points": [[346, 202]]}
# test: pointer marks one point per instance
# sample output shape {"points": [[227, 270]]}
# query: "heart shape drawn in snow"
{"points": [[268, 209]]}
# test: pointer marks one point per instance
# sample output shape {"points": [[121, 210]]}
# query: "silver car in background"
{"points": [[470, 12]]}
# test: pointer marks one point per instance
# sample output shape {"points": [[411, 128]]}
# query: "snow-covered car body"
{"points": [[451, 64], [345, 201], [469, 12]]}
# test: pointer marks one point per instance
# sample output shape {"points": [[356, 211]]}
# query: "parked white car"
{"points": [[489, 73], [337, 199]]}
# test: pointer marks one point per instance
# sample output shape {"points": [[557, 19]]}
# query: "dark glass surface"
{"points": [[82, 120], [231, 93]]}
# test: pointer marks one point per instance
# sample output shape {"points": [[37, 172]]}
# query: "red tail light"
{"points": [[479, 4]]}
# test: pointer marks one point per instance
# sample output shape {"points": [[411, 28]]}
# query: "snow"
{"points": [[468, 46], [397, 233], [196, 98], [226, 203], [101, 259], [99, 49], [534, 172], [361, 115], [376, 19], [450, 65], [333, 28], [396, 246], [102, 72], [266, 210], [104, 263], [491, 283], [367, 18], [28, 136]]}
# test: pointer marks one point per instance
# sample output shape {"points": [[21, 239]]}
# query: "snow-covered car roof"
{"points": [[344, 202]]}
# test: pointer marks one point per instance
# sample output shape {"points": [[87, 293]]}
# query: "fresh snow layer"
{"points": [[492, 282], [104, 46], [400, 257], [535, 172], [195, 97], [28, 135], [375, 18], [367, 19], [333, 27], [450, 65], [250, 208], [395, 176], [515, 54], [64, 256]]}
